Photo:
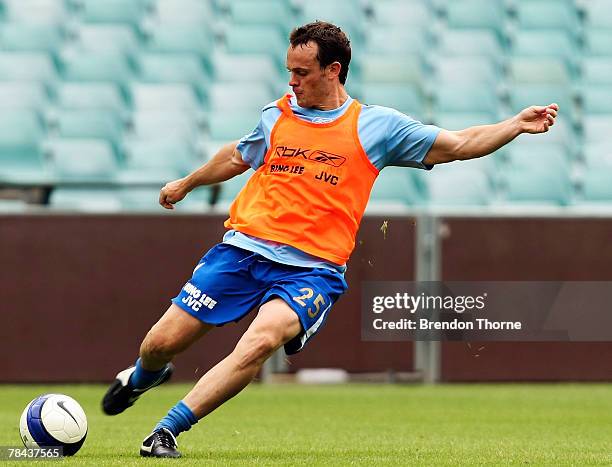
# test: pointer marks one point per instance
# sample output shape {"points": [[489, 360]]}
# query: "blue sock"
{"points": [[142, 378], [180, 418]]}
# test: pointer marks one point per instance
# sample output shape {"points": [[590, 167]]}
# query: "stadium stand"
{"points": [[139, 82]]}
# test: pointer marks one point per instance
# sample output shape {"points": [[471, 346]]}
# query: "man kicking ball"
{"points": [[292, 227]]}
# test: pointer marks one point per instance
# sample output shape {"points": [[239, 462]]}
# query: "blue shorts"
{"points": [[229, 282]]}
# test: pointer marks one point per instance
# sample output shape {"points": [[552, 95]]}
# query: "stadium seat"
{"points": [[26, 66], [597, 155], [597, 42], [30, 37], [538, 156], [82, 96], [82, 160], [596, 186], [12, 205], [245, 68], [547, 14], [263, 12], [236, 96], [468, 42], [597, 70], [106, 38], [86, 199], [18, 95], [401, 13], [407, 98], [112, 11], [597, 129], [231, 187], [467, 98], [183, 12], [230, 126], [153, 124], [88, 124], [35, 11], [395, 186], [529, 70], [525, 95], [482, 14], [597, 99], [182, 38], [172, 68], [257, 40], [347, 14], [545, 43], [453, 185], [20, 134], [175, 96], [169, 154], [467, 70], [536, 187], [395, 40], [96, 67], [597, 13], [401, 69]]}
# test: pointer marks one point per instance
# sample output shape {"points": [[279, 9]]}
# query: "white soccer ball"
{"points": [[54, 420]]}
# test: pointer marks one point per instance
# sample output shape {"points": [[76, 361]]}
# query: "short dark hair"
{"points": [[334, 45]]}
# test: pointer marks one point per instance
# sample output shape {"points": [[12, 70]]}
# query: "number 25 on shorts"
{"points": [[308, 293]]}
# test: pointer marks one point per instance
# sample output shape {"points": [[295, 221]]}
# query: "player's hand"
{"points": [[537, 119], [172, 193]]}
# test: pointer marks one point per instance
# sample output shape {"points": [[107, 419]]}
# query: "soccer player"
{"points": [[292, 228]]}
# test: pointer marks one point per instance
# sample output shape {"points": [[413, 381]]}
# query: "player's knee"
{"points": [[158, 347], [257, 348]]}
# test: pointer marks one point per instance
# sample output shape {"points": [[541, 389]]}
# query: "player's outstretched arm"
{"points": [[478, 141], [227, 163]]}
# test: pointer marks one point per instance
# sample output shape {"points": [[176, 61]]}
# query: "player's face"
{"points": [[307, 79]]}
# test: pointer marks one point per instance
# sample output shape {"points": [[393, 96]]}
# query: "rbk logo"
{"points": [[314, 155]]}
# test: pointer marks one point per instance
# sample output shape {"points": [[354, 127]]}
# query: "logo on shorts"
{"points": [[196, 299]]}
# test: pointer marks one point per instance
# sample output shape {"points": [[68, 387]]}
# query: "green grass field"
{"points": [[353, 424]]}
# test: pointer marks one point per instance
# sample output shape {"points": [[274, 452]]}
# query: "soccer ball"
{"points": [[54, 420]]}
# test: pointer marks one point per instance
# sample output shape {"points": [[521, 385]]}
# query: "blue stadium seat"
{"points": [[407, 98], [462, 120], [174, 155], [231, 188], [88, 124], [597, 42], [538, 156], [231, 126], [453, 185], [598, 13], [183, 12], [467, 98], [27, 66], [557, 44], [156, 123], [31, 37], [395, 40], [106, 38], [86, 199], [96, 67], [596, 186], [35, 11], [181, 38], [83, 160], [482, 14], [467, 70], [276, 13], [525, 95], [407, 14], [597, 129], [112, 11], [257, 39], [183, 68], [597, 155], [536, 187], [395, 186], [235, 96], [82, 96], [19, 95], [547, 14], [469, 42], [597, 99], [400, 69], [597, 70], [530, 70], [21, 132], [167, 97], [245, 68], [347, 14]]}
